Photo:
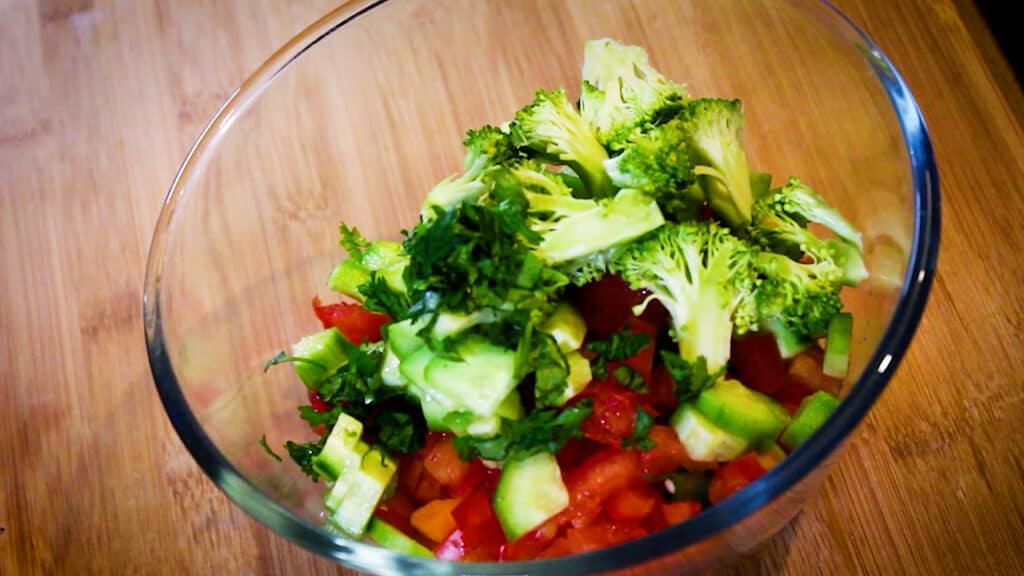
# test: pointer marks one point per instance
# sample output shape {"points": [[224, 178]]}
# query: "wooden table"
{"points": [[99, 100]]}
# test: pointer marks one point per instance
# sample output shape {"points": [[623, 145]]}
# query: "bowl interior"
{"points": [[364, 121]]}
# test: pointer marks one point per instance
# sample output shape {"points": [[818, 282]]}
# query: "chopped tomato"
{"points": [[427, 489], [667, 455], [575, 451], [614, 411], [757, 362], [675, 512], [643, 360], [453, 548], [434, 519], [356, 323], [529, 545], [661, 394], [410, 468], [443, 463], [593, 537], [477, 476], [631, 504], [317, 403], [607, 303], [480, 528], [734, 476], [397, 510], [600, 476]]}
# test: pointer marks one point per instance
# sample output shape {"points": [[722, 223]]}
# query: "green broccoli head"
{"points": [[797, 298], [552, 128], [804, 205], [704, 276], [659, 163], [714, 128], [777, 225], [486, 148], [622, 91]]}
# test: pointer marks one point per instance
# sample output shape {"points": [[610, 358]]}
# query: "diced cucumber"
{"points": [[449, 324], [403, 338], [363, 491], [413, 367], [382, 256], [529, 492], [347, 277], [580, 376], [587, 232], [704, 441], [348, 469], [566, 326], [392, 538], [741, 411], [478, 381], [324, 352], [336, 455], [814, 410], [837, 345], [390, 373]]}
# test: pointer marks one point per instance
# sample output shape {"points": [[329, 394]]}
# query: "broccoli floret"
{"points": [[704, 276], [485, 148], [622, 91], [714, 129], [552, 128], [795, 300], [779, 224], [659, 163]]}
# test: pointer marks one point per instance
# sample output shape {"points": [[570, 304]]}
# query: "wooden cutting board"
{"points": [[99, 100]]}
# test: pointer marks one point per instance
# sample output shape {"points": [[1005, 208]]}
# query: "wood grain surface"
{"points": [[99, 101]]}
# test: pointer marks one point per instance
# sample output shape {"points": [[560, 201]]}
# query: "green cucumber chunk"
{"points": [[478, 381], [392, 538], [811, 414], [566, 326], [353, 501], [748, 414], [338, 453], [837, 345], [529, 492], [704, 441], [325, 354]]}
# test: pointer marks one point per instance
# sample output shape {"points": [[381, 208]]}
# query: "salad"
{"points": [[604, 324]]}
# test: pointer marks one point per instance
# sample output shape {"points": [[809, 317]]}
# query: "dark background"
{"points": [[1003, 19]]}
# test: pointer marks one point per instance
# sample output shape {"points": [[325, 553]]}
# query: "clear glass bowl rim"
{"points": [[885, 359]]}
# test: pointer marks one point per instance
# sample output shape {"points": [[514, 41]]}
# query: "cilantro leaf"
{"points": [[538, 352], [689, 379], [541, 431], [266, 447], [282, 358], [640, 438], [618, 346], [304, 453], [378, 296], [398, 431], [352, 240], [630, 378], [314, 418]]}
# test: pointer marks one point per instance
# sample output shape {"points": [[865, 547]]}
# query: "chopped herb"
{"points": [[314, 418], [541, 431], [266, 447], [379, 297], [282, 358], [630, 378], [689, 379], [619, 346], [398, 431], [640, 438], [304, 453]]}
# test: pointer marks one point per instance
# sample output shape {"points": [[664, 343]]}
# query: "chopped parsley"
{"points": [[541, 431]]}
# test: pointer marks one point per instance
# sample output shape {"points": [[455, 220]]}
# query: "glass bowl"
{"points": [[356, 117]]}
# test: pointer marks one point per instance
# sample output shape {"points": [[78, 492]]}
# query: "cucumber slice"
{"points": [[402, 337], [390, 537], [338, 453], [814, 410], [741, 411], [478, 381], [566, 326], [704, 441], [529, 492], [837, 345], [323, 350], [352, 508], [580, 376]]}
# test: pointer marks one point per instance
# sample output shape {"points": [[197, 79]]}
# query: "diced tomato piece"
{"points": [[600, 476], [434, 519], [632, 504], [594, 537], [643, 360], [531, 544], [356, 323], [675, 512], [480, 528], [559, 547], [734, 476], [443, 463], [410, 468], [575, 451], [607, 303], [427, 489], [397, 510], [477, 476], [453, 548], [668, 454], [757, 362], [317, 403], [661, 394], [613, 414]]}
